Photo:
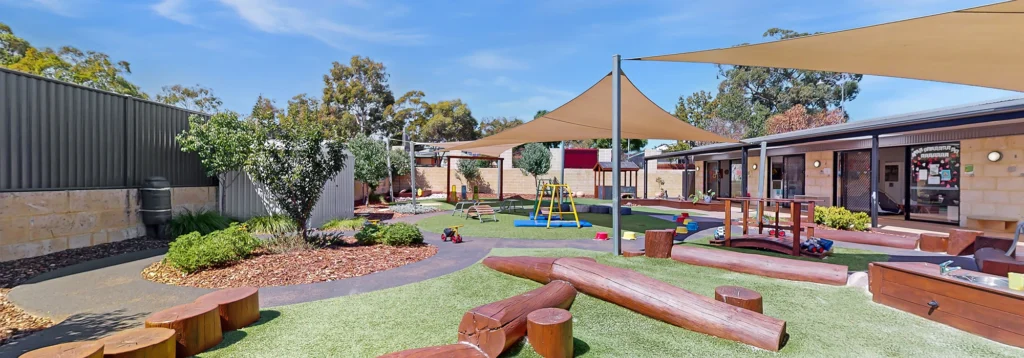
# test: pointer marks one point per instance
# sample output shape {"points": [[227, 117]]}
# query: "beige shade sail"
{"points": [[982, 46], [491, 151], [589, 116]]}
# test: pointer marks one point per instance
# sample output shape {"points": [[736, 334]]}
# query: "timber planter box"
{"points": [[714, 205], [898, 241]]}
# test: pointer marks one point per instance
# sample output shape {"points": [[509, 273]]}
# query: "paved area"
{"points": [[100, 297]]}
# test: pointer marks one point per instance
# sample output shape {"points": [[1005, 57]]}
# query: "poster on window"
{"points": [[936, 165], [737, 172]]}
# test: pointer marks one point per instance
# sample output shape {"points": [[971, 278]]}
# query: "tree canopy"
{"points": [[495, 125], [535, 161], [449, 121], [797, 118], [196, 98], [356, 96], [370, 167]]}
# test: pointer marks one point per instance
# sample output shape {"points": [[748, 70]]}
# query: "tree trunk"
{"points": [[761, 265], [496, 326], [458, 350], [658, 300]]}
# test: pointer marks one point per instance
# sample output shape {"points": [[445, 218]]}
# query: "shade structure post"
{"points": [[391, 179], [746, 171], [760, 178], [412, 165], [448, 182], [686, 178], [616, 150], [874, 180], [562, 179], [645, 178], [501, 179]]}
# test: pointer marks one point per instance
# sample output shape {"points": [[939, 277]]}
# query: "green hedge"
{"points": [[201, 221], [194, 252], [398, 234], [837, 217]]}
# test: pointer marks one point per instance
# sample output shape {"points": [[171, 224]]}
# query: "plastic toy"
{"points": [[452, 233]]}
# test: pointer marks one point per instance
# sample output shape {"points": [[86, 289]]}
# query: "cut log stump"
{"points": [[961, 242], [628, 253], [86, 349], [496, 326], [549, 331], [458, 350], [740, 297], [196, 326], [658, 243], [934, 242], [238, 307], [140, 343]]}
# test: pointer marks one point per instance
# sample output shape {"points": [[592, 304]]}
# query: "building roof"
{"points": [[981, 112], [624, 166]]}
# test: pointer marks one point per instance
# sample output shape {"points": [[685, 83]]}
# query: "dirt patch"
{"points": [[15, 323], [293, 268]]}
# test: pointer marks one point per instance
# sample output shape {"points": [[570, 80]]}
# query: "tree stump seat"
{"points": [[140, 343], [740, 297], [658, 243], [549, 331], [238, 307], [196, 326], [630, 253], [934, 242], [86, 349]]}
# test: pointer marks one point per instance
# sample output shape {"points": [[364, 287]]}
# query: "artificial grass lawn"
{"points": [[504, 227], [855, 259], [823, 321]]}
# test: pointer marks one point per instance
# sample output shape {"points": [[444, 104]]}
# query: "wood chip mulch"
{"points": [[15, 323], [293, 268]]}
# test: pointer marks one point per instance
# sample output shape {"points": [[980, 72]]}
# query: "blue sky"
{"points": [[504, 58]]}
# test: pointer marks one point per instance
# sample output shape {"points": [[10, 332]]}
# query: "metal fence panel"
{"points": [[56, 135]]}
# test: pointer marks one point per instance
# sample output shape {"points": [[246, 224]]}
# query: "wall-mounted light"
{"points": [[994, 156], [817, 164], [696, 168], [755, 166]]}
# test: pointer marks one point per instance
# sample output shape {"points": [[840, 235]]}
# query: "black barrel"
{"points": [[156, 201]]}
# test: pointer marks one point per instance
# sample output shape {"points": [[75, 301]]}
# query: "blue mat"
{"points": [[545, 217], [554, 223]]}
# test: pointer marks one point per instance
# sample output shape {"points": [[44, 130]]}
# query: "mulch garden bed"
{"points": [[15, 323], [293, 268]]}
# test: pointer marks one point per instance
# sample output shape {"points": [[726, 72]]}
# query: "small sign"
{"points": [[969, 169]]}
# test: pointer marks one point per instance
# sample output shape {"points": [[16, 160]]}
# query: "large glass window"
{"points": [[736, 178], [935, 182]]}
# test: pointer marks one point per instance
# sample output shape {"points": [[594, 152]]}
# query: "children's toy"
{"points": [[816, 245], [629, 235], [553, 211], [720, 233], [452, 233], [602, 236]]}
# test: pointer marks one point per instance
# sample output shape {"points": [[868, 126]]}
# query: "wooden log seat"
{"points": [[630, 253], [140, 343], [549, 331], [238, 307], [961, 242], [85, 349], [658, 243], [877, 238], [496, 326], [934, 242], [994, 261], [740, 297], [658, 300], [528, 267], [458, 350], [761, 265], [196, 326]]}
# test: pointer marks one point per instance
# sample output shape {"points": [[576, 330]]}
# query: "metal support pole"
{"points": [[685, 194], [760, 178], [562, 179], [746, 171], [616, 150], [501, 181], [412, 165], [645, 178], [874, 181], [387, 157]]}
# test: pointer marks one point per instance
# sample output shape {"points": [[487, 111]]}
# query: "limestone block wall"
{"points": [[42, 222], [819, 181], [995, 188]]}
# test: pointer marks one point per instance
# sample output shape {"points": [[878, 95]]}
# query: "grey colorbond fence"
{"points": [[56, 136]]}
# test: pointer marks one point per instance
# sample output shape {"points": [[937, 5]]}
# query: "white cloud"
{"points": [[67, 8], [493, 60], [270, 16], [174, 10], [907, 96]]}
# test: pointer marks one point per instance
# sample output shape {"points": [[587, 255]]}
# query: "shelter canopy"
{"points": [[589, 116], [490, 151], [981, 46]]}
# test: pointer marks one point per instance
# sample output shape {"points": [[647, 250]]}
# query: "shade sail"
{"points": [[589, 116], [982, 46], [491, 151]]}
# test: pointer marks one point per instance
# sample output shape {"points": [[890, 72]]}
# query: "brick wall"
{"points": [[42, 222], [995, 189]]}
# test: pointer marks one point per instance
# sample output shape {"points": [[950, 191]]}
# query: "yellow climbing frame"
{"points": [[562, 190]]}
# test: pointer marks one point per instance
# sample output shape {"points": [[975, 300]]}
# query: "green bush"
{"points": [[369, 234], [201, 221], [193, 252], [838, 217], [343, 224], [273, 224], [400, 234]]}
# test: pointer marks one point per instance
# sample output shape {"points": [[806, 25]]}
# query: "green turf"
{"points": [[855, 259], [504, 227], [823, 321]]}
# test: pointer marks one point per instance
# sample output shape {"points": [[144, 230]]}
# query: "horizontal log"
{"points": [[761, 265], [496, 326], [869, 238], [660, 301], [458, 350], [528, 267]]}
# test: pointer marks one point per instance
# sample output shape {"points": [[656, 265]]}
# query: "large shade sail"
{"points": [[589, 116], [982, 46], [490, 151]]}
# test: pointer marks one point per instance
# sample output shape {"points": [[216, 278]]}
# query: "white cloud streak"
{"points": [[493, 60], [175, 10]]}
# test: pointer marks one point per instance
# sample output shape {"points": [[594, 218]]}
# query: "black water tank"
{"points": [[156, 201]]}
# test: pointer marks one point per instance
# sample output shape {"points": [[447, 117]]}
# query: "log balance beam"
{"points": [[650, 297], [761, 265]]}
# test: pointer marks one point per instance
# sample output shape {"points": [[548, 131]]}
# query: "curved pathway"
{"points": [[96, 298]]}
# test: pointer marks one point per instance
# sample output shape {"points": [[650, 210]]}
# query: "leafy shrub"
{"points": [[193, 252], [400, 234], [273, 224], [409, 209], [343, 224], [838, 217], [369, 234], [287, 242], [201, 221]]}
